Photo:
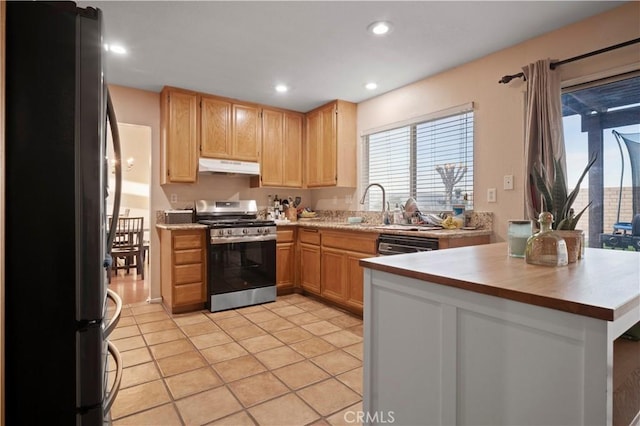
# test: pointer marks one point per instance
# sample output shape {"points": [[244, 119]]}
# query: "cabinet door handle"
{"points": [[310, 230]]}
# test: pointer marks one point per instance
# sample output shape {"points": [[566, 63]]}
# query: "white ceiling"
{"points": [[242, 49]]}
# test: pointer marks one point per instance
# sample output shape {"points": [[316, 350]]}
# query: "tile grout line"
{"points": [[245, 313]]}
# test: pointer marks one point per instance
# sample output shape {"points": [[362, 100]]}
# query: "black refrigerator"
{"points": [[58, 309]]}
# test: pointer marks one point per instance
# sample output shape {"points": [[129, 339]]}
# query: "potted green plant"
{"points": [[556, 199]]}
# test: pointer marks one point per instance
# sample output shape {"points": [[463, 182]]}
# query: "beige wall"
{"points": [[499, 108], [135, 144]]}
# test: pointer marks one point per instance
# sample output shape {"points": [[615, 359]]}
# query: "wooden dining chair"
{"points": [[127, 250]]}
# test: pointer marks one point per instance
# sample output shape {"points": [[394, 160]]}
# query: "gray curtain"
{"points": [[544, 138]]}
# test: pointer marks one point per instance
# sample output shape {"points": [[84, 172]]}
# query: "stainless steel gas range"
{"points": [[241, 255]]}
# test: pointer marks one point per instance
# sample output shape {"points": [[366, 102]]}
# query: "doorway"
{"points": [[135, 143]]}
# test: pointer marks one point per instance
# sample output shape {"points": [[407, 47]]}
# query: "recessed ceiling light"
{"points": [[115, 48], [380, 27], [281, 88], [371, 86]]}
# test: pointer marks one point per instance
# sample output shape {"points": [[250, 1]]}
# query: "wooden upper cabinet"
{"points": [[272, 164], [328, 172], [179, 135], [331, 145], [281, 159], [246, 132], [215, 133], [292, 150], [197, 125], [228, 129], [314, 136]]}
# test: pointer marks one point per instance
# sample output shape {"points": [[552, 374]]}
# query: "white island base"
{"points": [[440, 355]]}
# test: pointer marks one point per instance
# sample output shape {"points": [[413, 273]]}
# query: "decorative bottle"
{"points": [[546, 247]]}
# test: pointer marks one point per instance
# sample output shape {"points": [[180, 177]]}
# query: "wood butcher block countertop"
{"points": [[603, 285]]}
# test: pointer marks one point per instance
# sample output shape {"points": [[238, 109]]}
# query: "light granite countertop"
{"points": [[337, 219], [340, 224], [411, 230], [360, 227], [180, 226]]}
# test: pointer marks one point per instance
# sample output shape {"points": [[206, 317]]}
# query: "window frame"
{"points": [[413, 125]]}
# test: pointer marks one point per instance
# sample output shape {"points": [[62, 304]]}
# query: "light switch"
{"points": [[174, 198], [508, 182], [491, 195]]}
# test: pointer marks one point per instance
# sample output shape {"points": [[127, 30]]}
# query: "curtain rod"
{"points": [[507, 78]]}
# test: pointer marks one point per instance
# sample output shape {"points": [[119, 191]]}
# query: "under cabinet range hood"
{"points": [[215, 165]]}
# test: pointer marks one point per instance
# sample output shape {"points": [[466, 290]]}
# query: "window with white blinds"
{"points": [[430, 160]]}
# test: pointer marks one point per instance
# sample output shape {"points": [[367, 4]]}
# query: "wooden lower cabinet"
{"points": [[342, 276], [355, 295], [285, 260], [334, 286], [328, 262], [310, 268], [309, 249], [183, 277]]}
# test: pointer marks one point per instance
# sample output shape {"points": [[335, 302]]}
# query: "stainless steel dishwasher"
{"points": [[390, 244]]}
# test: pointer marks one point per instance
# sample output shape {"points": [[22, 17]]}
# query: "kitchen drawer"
{"points": [[183, 274], [188, 256], [350, 241], [285, 235], [188, 293], [188, 241], [309, 236]]}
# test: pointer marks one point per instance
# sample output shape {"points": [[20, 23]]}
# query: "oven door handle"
{"points": [[243, 239]]}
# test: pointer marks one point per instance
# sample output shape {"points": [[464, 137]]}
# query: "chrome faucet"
{"points": [[385, 213]]}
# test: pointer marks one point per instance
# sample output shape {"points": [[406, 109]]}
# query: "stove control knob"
{"points": [[229, 231], [220, 232], [245, 231], [259, 230], [266, 230]]}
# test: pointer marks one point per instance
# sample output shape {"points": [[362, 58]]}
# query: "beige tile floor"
{"points": [[293, 362]]}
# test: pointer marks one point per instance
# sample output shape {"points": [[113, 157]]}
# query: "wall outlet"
{"points": [[491, 195], [173, 198], [508, 182]]}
